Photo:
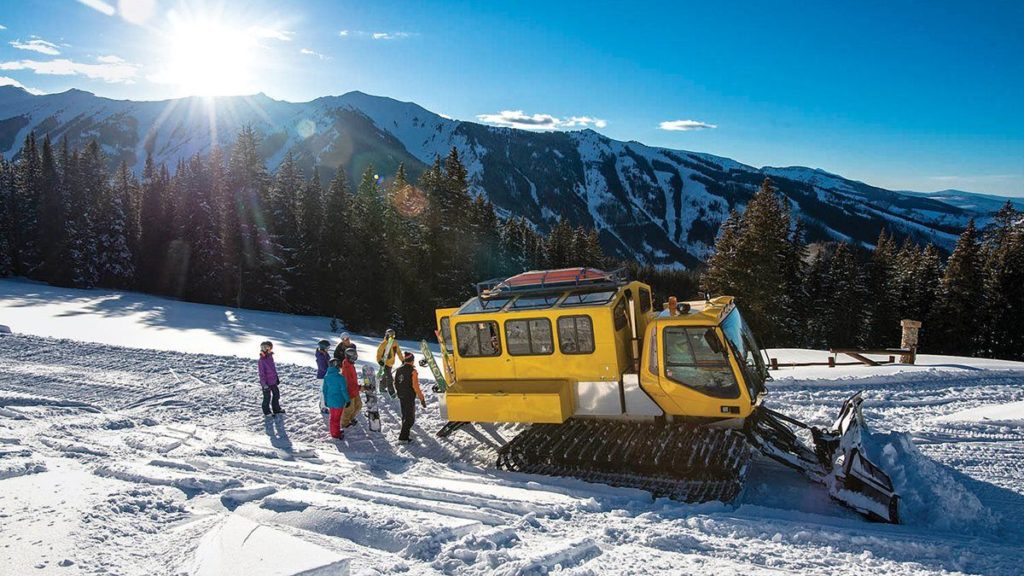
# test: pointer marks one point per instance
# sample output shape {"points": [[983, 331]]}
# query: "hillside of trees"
{"points": [[384, 251], [223, 230], [846, 296]]}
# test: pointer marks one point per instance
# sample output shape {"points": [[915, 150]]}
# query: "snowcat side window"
{"points": [[446, 332], [529, 337], [478, 339], [534, 302], [576, 335], [746, 351], [621, 315], [692, 362], [476, 305], [652, 360], [645, 300], [588, 298]]}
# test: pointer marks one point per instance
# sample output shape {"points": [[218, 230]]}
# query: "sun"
{"points": [[209, 57]]}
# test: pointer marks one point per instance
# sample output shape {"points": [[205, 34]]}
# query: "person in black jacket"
{"points": [[407, 386], [345, 344]]}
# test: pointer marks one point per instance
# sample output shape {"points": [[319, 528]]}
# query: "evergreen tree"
{"points": [[6, 218], [721, 276], [816, 285], [52, 232], [336, 246], [23, 208], [254, 278], [883, 329], [558, 246], [309, 252], [85, 181], [115, 258], [153, 237], [955, 317], [203, 277], [283, 221], [755, 263], [844, 298], [449, 235], [1004, 285]]}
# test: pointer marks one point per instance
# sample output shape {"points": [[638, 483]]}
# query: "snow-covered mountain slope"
{"points": [[654, 204], [156, 461]]}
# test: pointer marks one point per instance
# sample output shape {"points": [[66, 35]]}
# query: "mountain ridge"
{"points": [[659, 205]]}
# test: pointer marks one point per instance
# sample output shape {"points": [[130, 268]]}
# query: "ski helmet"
{"points": [[266, 345], [408, 357], [334, 363], [389, 333], [345, 336], [351, 354], [323, 344]]}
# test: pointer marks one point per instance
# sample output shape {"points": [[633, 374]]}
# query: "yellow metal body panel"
{"points": [[609, 360], [674, 398], [539, 388], [529, 401]]}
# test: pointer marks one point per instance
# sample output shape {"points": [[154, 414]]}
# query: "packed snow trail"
{"points": [[132, 461], [129, 461]]}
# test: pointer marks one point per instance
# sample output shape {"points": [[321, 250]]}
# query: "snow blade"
{"points": [[837, 460]]}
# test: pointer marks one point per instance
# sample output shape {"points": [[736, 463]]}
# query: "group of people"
{"points": [[340, 399]]}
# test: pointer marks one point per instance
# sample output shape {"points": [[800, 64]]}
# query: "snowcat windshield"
{"points": [[691, 360], [747, 352]]}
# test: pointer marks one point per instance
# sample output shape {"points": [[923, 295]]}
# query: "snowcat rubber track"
{"points": [[686, 462]]}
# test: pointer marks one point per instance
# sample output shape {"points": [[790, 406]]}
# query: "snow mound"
{"points": [[242, 547], [1011, 413], [930, 494]]}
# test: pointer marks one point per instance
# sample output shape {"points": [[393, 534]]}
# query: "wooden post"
{"points": [[909, 340], [775, 363], [831, 361]]}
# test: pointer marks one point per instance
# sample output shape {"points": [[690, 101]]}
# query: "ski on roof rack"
{"points": [[551, 281]]}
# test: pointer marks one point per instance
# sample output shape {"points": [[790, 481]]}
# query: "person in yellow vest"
{"points": [[386, 359]]}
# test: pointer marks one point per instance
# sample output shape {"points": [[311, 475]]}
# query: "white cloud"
{"points": [[108, 70], [37, 45], [343, 33], [389, 35], [309, 52], [6, 81], [2, 27], [274, 33], [685, 125], [521, 120], [99, 6]]}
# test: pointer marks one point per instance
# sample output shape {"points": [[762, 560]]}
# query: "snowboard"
{"points": [[370, 392], [428, 358], [446, 359], [386, 384]]}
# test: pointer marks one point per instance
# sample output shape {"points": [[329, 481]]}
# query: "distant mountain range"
{"points": [[657, 205]]}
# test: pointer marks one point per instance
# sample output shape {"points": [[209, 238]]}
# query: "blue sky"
{"points": [[907, 95]]}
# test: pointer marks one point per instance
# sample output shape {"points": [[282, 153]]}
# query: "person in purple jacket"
{"points": [[322, 358], [269, 380]]}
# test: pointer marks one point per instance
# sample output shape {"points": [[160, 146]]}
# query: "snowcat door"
{"points": [[443, 331]]}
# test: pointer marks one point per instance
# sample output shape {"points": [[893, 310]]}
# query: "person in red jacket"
{"points": [[348, 370]]}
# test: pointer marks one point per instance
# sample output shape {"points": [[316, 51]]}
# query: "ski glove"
{"points": [[347, 404], [423, 403], [381, 362]]}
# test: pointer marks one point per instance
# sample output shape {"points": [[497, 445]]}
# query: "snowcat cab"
{"points": [[615, 391]]}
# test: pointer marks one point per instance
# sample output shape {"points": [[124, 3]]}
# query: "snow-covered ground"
{"points": [[131, 443]]}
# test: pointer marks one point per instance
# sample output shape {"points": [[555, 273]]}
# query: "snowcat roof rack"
{"points": [[538, 282]]}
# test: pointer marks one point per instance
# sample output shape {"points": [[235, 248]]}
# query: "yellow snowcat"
{"points": [[615, 391]]}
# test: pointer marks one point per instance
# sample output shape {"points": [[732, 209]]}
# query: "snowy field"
{"points": [[131, 442]]}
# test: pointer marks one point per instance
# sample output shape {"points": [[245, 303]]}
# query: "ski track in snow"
{"points": [[127, 461]]}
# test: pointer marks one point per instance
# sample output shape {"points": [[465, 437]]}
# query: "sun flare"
{"points": [[209, 57]]}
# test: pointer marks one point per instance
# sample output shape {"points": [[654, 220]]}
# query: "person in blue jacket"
{"points": [[335, 392]]}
